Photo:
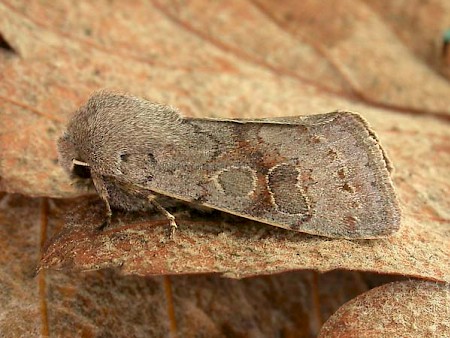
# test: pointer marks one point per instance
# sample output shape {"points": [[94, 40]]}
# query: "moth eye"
{"points": [[124, 157], [81, 171]]}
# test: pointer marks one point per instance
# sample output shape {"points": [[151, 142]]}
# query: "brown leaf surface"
{"points": [[257, 58], [105, 303], [233, 247], [401, 309]]}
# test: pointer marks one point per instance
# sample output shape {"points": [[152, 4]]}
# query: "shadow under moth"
{"points": [[322, 174]]}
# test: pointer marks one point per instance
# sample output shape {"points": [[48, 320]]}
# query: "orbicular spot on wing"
{"points": [[237, 181], [287, 194]]}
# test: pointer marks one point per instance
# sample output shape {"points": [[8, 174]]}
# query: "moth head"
{"points": [[73, 162]]}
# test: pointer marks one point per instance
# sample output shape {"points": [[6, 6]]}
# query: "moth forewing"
{"points": [[327, 178]]}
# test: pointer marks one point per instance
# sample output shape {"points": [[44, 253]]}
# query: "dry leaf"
{"points": [[234, 247], [401, 309], [105, 303], [251, 60]]}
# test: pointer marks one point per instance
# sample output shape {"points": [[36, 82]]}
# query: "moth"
{"points": [[322, 174]]}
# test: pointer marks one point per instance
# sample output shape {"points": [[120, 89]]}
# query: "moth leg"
{"points": [[103, 193], [107, 222], [168, 215]]}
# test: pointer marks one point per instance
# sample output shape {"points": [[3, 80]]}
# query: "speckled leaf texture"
{"points": [[401, 309], [241, 59]]}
